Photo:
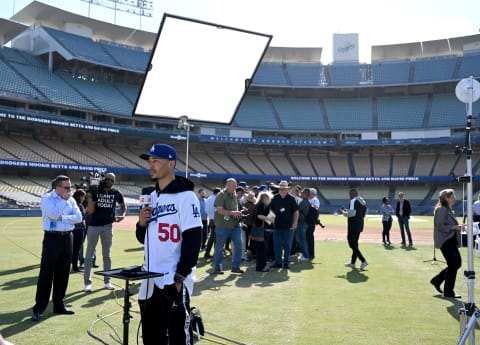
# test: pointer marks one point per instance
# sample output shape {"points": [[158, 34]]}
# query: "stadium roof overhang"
{"points": [[414, 50], [39, 13], [10, 29], [287, 54]]}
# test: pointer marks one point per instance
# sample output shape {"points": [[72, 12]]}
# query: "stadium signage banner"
{"points": [[268, 141], [47, 165], [365, 179], [58, 122]]}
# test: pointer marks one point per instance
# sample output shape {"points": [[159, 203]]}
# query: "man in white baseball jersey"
{"points": [[170, 229]]}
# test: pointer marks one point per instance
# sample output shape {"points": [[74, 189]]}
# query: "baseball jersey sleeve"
{"points": [[190, 216]]}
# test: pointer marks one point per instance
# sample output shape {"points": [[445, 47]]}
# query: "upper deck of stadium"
{"points": [[68, 61]]}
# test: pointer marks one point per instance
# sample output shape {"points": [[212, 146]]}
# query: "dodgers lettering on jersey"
{"points": [[172, 214], [162, 211]]}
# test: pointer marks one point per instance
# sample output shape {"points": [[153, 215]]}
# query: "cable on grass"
{"points": [[102, 318]]}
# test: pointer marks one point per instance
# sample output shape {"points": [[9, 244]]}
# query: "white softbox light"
{"points": [[199, 70]]}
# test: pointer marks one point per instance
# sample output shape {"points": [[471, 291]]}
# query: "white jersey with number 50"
{"points": [[172, 214]]}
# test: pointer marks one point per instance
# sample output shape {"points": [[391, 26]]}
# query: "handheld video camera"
{"points": [[94, 181]]}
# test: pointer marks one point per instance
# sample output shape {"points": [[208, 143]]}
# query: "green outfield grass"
{"points": [[319, 302]]}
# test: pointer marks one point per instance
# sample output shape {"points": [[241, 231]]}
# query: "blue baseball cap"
{"points": [[161, 151], [262, 187]]}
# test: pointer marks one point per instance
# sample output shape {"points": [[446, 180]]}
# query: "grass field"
{"points": [[318, 302]]}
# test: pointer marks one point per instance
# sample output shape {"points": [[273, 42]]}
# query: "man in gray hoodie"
{"points": [[355, 214]]}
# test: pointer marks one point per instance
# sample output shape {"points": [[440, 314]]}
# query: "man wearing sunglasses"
{"points": [[101, 208], [59, 214]]}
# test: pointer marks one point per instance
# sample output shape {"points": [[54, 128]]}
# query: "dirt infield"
{"points": [[371, 234]]}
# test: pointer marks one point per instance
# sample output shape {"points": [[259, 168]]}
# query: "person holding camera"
{"points": [[227, 226], [102, 202], [59, 214]]}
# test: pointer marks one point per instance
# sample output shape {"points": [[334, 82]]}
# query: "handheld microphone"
{"points": [[146, 198], [145, 201]]}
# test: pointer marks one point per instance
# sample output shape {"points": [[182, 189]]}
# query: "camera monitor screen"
{"points": [[199, 70]]}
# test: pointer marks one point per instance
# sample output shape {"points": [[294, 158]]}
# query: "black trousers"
{"points": [[204, 233], [78, 239], [166, 317], [387, 225], [311, 240], [454, 262], [211, 238], [353, 237], [261, 259], [54, 270]]}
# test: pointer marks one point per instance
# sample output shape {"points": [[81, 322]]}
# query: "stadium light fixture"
{"points": [[184, 124], [468, 91], [199, 69]]}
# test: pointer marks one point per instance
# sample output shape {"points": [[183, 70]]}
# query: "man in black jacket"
{"points": [[170, 230], [402, 212], [355, 214]]}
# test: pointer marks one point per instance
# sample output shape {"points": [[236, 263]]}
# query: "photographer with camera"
{"points": [[102, 200], [227, 226]]}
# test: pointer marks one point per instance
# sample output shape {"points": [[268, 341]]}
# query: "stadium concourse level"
{"points": [[26, 191], [23, 187], [245, 159]]}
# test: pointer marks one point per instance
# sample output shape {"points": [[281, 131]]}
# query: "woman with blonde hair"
{"points": [[446, 233]]}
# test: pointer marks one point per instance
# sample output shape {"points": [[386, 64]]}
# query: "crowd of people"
{"points": [[270, 223], [267, 222]]}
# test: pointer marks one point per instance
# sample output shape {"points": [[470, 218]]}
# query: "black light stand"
{"points": [[434, 260], [468, 91], [127, 274]]}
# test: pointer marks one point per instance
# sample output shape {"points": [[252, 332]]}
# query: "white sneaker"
{"points": [[363, 265], [109, 286], [88, 288], [302, 258], [349, 264]]}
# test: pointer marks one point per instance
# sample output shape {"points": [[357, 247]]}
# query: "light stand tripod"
{"points": [[468, 91], [434, 259]]}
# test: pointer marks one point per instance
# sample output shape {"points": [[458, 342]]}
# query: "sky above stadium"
{"points": [[302, 23]]}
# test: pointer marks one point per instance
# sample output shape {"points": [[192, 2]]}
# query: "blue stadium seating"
{"points": [[348, 114], [269, 73], [470, 65], [82, 48], [390, 72], [299, 114], [448, 111], [133, 59], [435, 69], [306, 74], [255, 113], [345, 75], [105, 96], [53, 87], [11, 82], [401, 112]]}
